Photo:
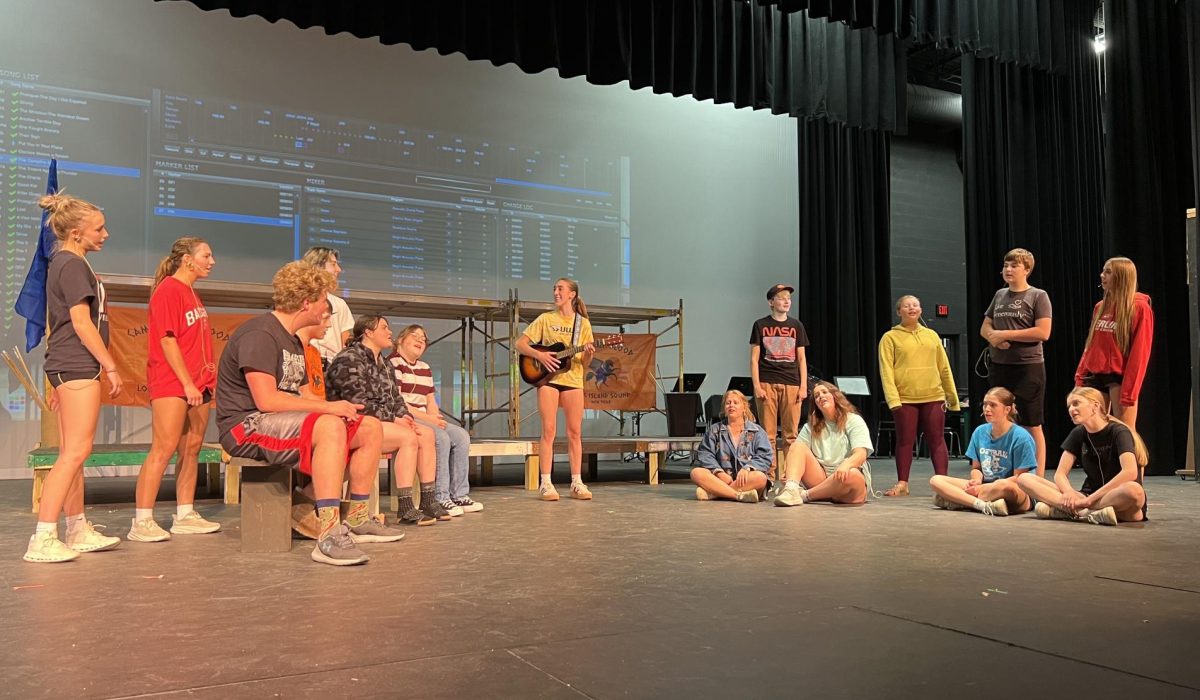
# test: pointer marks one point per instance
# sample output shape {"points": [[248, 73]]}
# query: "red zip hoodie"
{"points": [[1103, 356]]}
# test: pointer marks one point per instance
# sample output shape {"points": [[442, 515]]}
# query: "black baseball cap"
{"points": [[775, 289]]}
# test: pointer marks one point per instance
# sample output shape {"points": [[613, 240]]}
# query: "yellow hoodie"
{"points": [[914, 369]]}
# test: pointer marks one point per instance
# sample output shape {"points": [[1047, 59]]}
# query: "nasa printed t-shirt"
{"points": [[777, 342]]}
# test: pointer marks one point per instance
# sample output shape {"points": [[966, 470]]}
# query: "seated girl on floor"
{"points": [[1112, 456], [829, 456], [734, 455], [1000, 451]]}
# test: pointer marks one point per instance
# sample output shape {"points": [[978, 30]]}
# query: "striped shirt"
{"points": [[415, 381]]}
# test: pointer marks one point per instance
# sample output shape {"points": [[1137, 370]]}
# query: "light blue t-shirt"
{"points": [[1001, 457]]}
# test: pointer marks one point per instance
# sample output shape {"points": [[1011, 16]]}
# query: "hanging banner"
{"points": [[127, 337], [621, 378]]}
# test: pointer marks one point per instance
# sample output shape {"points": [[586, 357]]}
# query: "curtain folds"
{"points": [[845, 275], [728, 51], [1149, 187], [1034, 178]]}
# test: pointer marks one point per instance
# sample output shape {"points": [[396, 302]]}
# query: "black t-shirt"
{"points": [[70, 281], [261, 344], [1100, 453], [777, 342]]}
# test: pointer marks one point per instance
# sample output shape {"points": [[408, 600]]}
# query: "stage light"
{"points": [[1099, 44]]}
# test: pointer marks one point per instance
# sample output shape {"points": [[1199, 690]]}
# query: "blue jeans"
{"points": [[453, 445]]}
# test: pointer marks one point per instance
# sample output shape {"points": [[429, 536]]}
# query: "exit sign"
{"points": [[943, 310]]}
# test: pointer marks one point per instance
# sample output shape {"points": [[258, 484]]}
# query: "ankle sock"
{"points": [[404, 499], [791, 484], [545, 480], [576, 479], [143, 513], [328, 510], [75, 523], [182, 509], [358, 509], [52, 528], [427, 501]]}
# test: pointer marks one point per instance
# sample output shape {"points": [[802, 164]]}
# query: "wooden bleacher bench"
{"points": [[41, 459]]}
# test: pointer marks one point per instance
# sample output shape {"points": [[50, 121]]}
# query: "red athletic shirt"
{"points": [[175, 310], [1104, 356]]}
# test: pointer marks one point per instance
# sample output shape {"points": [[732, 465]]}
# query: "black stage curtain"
{"points": [[1034, 178], [1192, 8], [724, 50], [1149, 187], [845, 275], [1025, 32]]}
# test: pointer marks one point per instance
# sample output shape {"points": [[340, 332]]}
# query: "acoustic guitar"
{"points": [[535, 373]]}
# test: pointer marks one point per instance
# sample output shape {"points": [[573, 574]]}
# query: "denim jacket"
{"points": [[753, 451]]}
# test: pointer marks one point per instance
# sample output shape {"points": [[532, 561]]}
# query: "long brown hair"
{"points": [[841, 405], [1006, 399], [577, 304], [170, 264], [65, 213], [1140, 454], [1118, 300]]}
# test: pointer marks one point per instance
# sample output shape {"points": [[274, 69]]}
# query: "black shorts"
{"points": [[1028, 384], [57, 379], [1101, 382]]}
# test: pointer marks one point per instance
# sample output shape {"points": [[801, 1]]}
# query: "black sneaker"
{"points": [[433, 509], [412, 516]]}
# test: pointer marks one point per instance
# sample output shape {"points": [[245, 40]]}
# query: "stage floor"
{"points": [[643, 592]]}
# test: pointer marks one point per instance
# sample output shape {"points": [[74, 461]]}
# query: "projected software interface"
{"points": [[410, 210]]}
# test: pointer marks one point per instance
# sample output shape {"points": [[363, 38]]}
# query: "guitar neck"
{"points": [[576, 349]]}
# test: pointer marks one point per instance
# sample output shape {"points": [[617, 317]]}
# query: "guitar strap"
{"points": [[575, 331]]}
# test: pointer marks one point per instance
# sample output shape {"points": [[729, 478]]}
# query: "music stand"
{"points": [[853, 386], [742, 384], [691, 382]]}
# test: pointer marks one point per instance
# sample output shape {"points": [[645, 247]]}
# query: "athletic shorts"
{"points": [[57, 379], [205, 398], [1028, 384], [283, 439], [1102, 381]]}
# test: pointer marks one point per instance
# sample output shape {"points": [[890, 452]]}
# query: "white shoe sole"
{"points": [[34, 559], [143, 538], [375, 539], [193, 530], [319, 556], [88, 549]]}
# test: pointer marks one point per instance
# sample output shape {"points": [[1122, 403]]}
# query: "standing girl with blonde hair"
{"points": [[1118, 344], [918, 387], [567, 324], [76, 355], [1112, 455], [181, 373]]}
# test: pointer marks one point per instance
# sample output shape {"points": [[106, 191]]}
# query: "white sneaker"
{"points": [[1044, 511], [1104, 516], [702, 495], [45, 548], [580, 492], [750, 496], [996, 507], [547, 492], [790, 496], [193, 524], [86, 539], [468, 504], [453, 508], [146, 530]]}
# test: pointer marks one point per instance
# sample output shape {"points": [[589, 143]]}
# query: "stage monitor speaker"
{"points": [[682, 411]]}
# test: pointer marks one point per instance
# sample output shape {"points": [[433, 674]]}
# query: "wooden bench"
{"points": [[42, 459], [483, 452], [656, 449]]}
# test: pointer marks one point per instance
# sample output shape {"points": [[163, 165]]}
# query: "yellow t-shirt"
{"points": [[551, 328]]}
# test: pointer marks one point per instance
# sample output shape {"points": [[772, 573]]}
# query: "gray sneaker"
{"points": [[338, 549], [1044, 511], [996, 507], [372, 530]]}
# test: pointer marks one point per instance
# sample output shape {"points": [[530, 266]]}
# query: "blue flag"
{"points": [[31, 302]]}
